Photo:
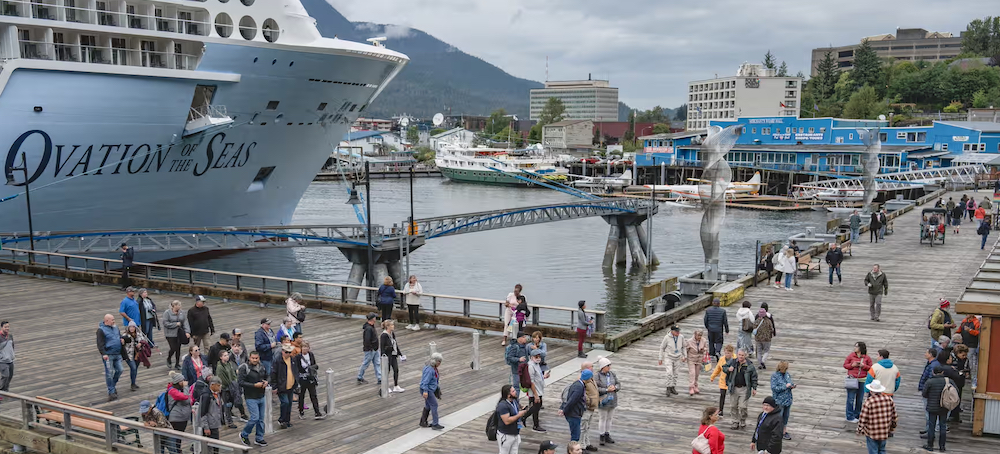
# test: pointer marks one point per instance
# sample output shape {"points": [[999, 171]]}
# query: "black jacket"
{"points": [[387, 345], [279, 375], [247, 376], [127, 256], [767, 435], [200, 321], [369, 340], [834, 257], [875, 223], [313, 370], [215, 351], [716, 320], [932, 392], [143, 315]]}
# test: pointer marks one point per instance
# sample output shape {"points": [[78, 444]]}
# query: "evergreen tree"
{"points": [[553, 111], [868, 68], [827, 75], [800, 75], [865, 104], [783, 70], [412, 135], [681, 114], [769, 60]]}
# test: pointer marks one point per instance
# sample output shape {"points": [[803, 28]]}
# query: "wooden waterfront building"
{"points": [[982, 297]]}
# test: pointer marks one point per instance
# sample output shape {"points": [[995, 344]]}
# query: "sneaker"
{"points": [[854, 421], [134, 387], [581, 355], [362, 381], [302, 416], [243, 418], [416, 327], [319, 417], [232, 426], [245, 440], [786, 437], [260, 442], [397, 389], [437, 427], [590, 448], [539, 429], [282, 425]]}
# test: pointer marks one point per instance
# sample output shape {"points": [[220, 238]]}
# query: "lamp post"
{"points": [[368, 226], [410, 227], [27, 195]]}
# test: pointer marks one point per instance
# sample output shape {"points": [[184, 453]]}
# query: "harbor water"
{"points": [[558, 263]]}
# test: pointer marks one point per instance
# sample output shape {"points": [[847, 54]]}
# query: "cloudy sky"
{"points": [[650, 49]]}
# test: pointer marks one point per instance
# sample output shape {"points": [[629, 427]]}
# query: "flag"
{"points": [[782, 104], [698, 108], [816, 107]]}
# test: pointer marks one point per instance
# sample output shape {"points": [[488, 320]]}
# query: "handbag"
{"points": [[851, 382], [700, 443]]}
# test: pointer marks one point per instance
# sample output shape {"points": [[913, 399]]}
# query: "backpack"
{"points": [[524, 375], [947, 318], [746, 325], [982, 228], [161, 404], [300, 315], [949, 396], [491, 426]]}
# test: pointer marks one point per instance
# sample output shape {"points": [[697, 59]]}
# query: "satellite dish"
{"points": [[404, 122], [438, 119], [881, 117]]}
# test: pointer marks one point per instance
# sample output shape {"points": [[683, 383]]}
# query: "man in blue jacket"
{"points": [[264, 342], [109, 343], [575, 404], [429, 389], [517, 353], [717, 323]]}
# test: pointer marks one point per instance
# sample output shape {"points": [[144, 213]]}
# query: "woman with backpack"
{"points": [[744, 318], [762, 333], [391, 350], [386, 297], [147, 315], [178, 406], [715, 438], [970, 207], [177, 331], [521, 312], [957, 214], [296, 311]]}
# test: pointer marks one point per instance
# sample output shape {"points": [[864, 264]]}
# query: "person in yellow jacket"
{"points": [[729, 352]]}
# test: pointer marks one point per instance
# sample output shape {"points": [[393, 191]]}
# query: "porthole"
{"points": [[223, 1], [224, 25], [270, 30], [248, 27], [246, 2]]}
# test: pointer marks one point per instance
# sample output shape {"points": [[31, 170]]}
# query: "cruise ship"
{"points": [[136, 114]]}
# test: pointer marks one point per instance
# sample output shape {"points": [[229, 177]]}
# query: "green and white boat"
{"points": [[496, 165]]}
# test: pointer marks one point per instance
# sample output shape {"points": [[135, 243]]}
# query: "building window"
{"points": [[883, 137], [765, 131], [801, 130], [944, 147], [839, 140], [850, 136], [812, 130], [753, 130], [901, 135], [912, 137], [744, 130], [821, 130]]}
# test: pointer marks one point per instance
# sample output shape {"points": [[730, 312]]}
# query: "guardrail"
{"points": [[461, 311], [162, 439]]}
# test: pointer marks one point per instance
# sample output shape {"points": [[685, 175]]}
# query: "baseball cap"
{"points": [[199, 298], [237, 331], [224, 336], [144, 406], [546, 445], [372, 315], [265, 321]]}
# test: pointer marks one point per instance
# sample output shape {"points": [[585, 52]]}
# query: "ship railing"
{"points": [[209, 111], [249, 286], [38, 50], [53, 11]]}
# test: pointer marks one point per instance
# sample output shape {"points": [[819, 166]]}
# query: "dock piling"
{"points": [[611, 250], [475, 351], [638, 256], [644, 242], [384, 386]]}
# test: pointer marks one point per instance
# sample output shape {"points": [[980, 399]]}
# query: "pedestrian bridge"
{"points": [[909, 179]]}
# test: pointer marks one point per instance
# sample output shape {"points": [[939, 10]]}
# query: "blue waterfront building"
{"points": [[830, 145]]}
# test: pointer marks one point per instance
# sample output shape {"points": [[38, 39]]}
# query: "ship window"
{"points": [[224, 25], [272, 105], [355, 106], [248, 28], [322, 106], [247, 2], [270, 30], [261, 179]]}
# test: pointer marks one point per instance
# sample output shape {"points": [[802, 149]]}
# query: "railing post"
{"points": [[434, 305], [384, 387], [535, 316], [27, 415], [195, 423], [343, 294], [330, 404], [68, 425], [466, 308], [288, 284], [599, 323], [239, 283], [475, 350], [268, 410], [110, 435], [433, 347]]}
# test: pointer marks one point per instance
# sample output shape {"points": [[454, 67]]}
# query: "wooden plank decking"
{"points": [[54, 326], [817, 327]]}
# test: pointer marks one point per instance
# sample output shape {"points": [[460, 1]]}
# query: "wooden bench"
{"points": [[54, 416], [807, 264], [845, 247]]}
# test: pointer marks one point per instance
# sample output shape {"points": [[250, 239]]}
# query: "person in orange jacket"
{"points": [[969, 329], [729, 352]]}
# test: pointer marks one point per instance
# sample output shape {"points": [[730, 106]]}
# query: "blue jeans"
{"points": [[431, 403], [875, 446], [855, 235], [267, 366], [256, 409], [785, 412], [983, 246], [940, 421], [112, 372], [837, 269], [788, 279], [881, 232], [370, 358], [147, 329], [133, 369], [297, 328], [855, 397], [285, 407], [574, 427]]}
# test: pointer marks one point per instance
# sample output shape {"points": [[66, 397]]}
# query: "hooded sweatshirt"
{"points": [[885, 372], [6, 348], [745, 313]]}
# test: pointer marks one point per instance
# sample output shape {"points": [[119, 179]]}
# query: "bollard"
{"points": [[330, 408], [384, 387], [195, 423], [475, 350], [434, 348], [268, 415]]}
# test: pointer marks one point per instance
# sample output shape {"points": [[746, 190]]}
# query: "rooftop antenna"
{"points": [[404, 122], [377, 41], [438, 119], [546, 68]]}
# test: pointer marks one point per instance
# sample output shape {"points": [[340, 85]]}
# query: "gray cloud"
{"points": [[652, 48]]}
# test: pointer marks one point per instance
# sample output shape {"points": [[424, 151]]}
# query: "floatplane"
{"points": [[689, 193], [612, 182]]}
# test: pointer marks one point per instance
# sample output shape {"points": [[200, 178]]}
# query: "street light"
{"points": [[27, 195], [368, 223]]}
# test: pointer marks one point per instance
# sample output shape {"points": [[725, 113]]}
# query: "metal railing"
{"points": [[39, 50], [451, 305], [38, 10], [112, 436]]}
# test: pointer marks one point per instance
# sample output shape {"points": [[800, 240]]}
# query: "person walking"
{"points": [[7, 356], [745, 319], [226, 371], [608, 388], [217, 348], [970, 208], [129, 308], [517, 353], [986, 204], [957, 215], [672, 348], [885, 372], [264, 344], [874, 226], [767, 261], [716, 321], [834, 257], [127, 257], [510, 413], [583, 325], [509, 322], [980, 215], [147, 315], [741, 380], [178, 406], [295, 310], [430, 389], [252, 378], [695, 354], [984, 230], [308, 380], [781, 389], [369, 345], [877, 420], [949, 208], [386, 298], [937, 415], [774, 326], [194, 364], [858, 363], [718, 372], [786, 264], [537, 389], [716, 439], [883, 219], [878, 285], [211, 410], [763, 332], [390, 349], [412, 292], [855, 222], [200, 321], [286, 329], [969, 328], [177, 330], [239, 351], [109, 344], [593, 400], [285, 377], [134, 343], [941, 321], [767, 436], [575, 404], [154, 419]]}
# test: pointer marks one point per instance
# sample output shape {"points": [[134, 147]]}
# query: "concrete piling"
{"points": [[638, 256], [611, 250]]}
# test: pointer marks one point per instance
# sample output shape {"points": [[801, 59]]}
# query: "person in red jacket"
{"points": [[857, 365], [716, 439], [969, 329]]}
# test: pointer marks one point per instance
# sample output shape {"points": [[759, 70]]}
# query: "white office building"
{"points": [[753, 92], [594, 100]]}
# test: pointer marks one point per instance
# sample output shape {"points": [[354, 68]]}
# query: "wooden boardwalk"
{"points": [[817, 327], [54, 324]]}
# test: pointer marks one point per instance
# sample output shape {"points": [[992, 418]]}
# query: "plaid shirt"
{"points": [[878, 416]]}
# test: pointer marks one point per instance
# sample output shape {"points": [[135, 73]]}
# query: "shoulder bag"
{"points": [[851, 382], [700, 443]]}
